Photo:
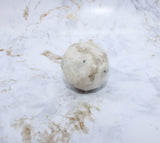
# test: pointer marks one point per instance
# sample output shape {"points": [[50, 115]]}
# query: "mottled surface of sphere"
{"points": [[85, 66]]}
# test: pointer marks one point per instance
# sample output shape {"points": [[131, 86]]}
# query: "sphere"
{"points": [[85, 66]]}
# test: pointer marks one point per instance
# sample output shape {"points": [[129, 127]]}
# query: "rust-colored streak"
{"points": [[58, 133], [53, 57], [1, 50], [26, 129], [26, 13], [146, 19], [43, 15], [90, 40], [85, 24], [9, 53], [78, 117], [67, 6], [55, 132], [26, 134], [72, 16], [93, 74], [77, 4], [49, 12]]}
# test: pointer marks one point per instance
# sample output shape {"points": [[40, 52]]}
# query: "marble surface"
{"points": [[37, 106]]}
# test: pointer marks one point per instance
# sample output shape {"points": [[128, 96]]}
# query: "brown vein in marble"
{"points": [[9, 53], [146, 19], [76, 119], [85, 24], [72, 16], [6, 90], [90, 40], [26, 129], [1, 50], [34, 69], [53, 57], [154, 39], [39, 76], [7, 81], [37, 5], [26, 13], [42, 16], [77, 4], [50, 11], [58, 133]]}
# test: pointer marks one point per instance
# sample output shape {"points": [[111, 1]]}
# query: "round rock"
{"points": [[85, 66]]}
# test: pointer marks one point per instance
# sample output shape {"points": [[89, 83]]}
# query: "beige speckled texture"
{"points": [[85, 66]]}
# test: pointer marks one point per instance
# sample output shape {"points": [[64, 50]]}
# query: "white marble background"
{"points": [[37, 106]]}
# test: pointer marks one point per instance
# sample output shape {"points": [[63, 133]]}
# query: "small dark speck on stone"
{"points": [[104, 70], [84, 61]]}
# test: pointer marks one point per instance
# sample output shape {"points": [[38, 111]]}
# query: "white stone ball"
{"points": [[85, 66]]}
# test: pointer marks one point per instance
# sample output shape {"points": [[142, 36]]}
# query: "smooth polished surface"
{"points": [[37, 106]]}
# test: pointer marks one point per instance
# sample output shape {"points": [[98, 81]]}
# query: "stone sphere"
{"points": [[85, 66]]}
